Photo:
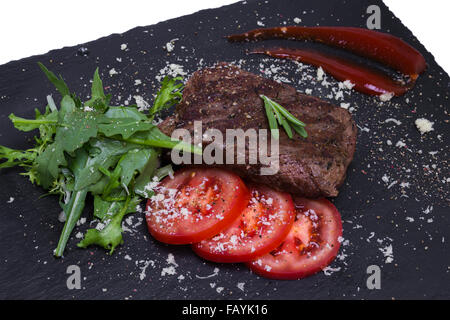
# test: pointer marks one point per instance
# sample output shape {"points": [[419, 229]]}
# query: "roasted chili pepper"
{"points": [[375, 45], [365, 80]]}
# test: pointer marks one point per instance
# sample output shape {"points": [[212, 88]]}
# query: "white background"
{"points": [[35, 27]]}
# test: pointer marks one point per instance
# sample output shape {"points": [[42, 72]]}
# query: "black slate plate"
{"points": [[411, 216]]}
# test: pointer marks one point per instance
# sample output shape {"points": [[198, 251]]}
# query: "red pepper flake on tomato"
{"points": [[312, 243], [195, 205], [259, 229]]}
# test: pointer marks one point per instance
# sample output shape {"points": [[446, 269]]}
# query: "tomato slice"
{"points": [[195, 205], [260, 228], [312, 243]]}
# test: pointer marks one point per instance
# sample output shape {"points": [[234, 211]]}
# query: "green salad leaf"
{"points": [[125, 127], [93, 149], [105, 209], [130, 112], [32, 124], [14, 157], [74, 205], [103, 153], [75, 128], [169, 95], [58, 82], [111, 235]]}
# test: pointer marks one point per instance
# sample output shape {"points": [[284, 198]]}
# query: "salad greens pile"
{"points": [[109, 152]]}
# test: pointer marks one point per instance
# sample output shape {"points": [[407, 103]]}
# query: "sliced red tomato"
{"points": [[312, 243], [195, 205], [260, 228]]}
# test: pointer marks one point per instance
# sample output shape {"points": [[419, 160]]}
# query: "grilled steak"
{"points": [[226, 97]]}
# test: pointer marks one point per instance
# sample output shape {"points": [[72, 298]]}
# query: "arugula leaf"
{"points": [[105, 209], [125, 112], [46, 130], [29, 124], [76, 128], [134, 161], [111, 235], [143, 183], [15, 157], [168, 95], [113, 181], [98, 99], [80, 143], [98, 187], [125, 127], [104, 152], [97, 87], [73, 212], [112, 214], [59, 83], [155, 138], [75, 205], [46, 123]]}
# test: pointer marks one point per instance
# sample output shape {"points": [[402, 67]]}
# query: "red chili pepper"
{"points": [[378, 46], [365, 80]]}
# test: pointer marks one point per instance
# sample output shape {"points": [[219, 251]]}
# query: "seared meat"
{"points": [[226, 97]]}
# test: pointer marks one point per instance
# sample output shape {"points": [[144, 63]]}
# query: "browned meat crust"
{"points": [[226, 97]]}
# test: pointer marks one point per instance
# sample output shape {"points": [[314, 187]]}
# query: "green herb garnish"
{"points": [[277, 115], [94, 149]]}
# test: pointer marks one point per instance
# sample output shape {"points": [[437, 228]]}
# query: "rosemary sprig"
{"points": [[278, 115], [273, 125]]}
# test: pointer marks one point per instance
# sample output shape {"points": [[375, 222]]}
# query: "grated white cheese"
{"points": [[215, 273], [397, 122], [345, 105], [112, 72], [145, 263], [328, 271], [62, 217], [348, 84], [424, 125], [320, 74], [170, 46], [168, 271], [241, 285], [388, 253], [173, 70], [386, 96], [141, 103]]}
